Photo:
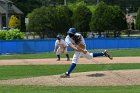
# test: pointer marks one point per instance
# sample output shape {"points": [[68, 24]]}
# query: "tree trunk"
{"points": [[114, 33]]}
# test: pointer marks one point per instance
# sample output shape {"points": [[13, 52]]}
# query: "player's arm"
{"points": [[69, 43], [78, 49]]}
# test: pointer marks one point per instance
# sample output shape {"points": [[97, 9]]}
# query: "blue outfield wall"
{"points": [[111, 43], [35, 46]]}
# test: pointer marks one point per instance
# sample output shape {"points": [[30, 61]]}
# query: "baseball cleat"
{"points": [[68, 59], [58, 60], [65, 76], [107, 54]]}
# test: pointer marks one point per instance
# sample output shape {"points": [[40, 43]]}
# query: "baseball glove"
{"points": [[77, 39], [82, 46]]}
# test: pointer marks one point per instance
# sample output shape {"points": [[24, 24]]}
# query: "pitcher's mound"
{"points": [[96, 78]]}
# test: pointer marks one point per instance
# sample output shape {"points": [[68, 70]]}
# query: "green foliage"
{"points": [[39, 20], [27, 6], [3, 35], [97, 21], [138, 19], [74, 6], [119, 20], [58, 19], [13, 34], [52, 20], [132, 5], [64, 19], [91, 7], [107, 18], [14, 22], [81, 18]]}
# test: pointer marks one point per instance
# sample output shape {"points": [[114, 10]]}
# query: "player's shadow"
{"points": [[96, 75]]}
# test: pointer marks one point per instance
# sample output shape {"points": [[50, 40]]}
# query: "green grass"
{"points": [[122, 52], [32, 56], [114, 52], [69, 89], [125, 52], [22, 71]]}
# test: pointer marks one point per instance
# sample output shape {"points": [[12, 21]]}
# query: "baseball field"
{"points": [[39, 73]]}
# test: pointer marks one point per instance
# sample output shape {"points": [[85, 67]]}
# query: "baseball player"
{"points": [[60, 48], [77, 43]]}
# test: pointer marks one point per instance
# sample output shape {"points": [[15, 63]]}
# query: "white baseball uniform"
{"points": [[77, 54], [61, 44]]}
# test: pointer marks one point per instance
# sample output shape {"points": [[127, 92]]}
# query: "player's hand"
{"points": [[85, 51]]}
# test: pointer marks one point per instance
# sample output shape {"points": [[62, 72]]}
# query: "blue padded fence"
{"points": [[111, 43], [35, 46]]}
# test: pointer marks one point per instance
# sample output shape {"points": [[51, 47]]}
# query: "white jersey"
{"points": [[70, 41], [60, 43], [77, 54]]}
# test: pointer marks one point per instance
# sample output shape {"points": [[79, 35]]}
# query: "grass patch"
{"points": [[125, 52], [22, 71], [33, 56], [114, 52], [69, 89]]}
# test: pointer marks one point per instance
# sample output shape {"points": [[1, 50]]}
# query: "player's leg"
{"points": [[67, 55], [97, 54], [68, 58], [76, 56], [107, 54], [58, 54]]}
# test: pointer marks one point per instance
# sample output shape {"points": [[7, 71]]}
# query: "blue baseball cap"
{"points": [[71, 31]]}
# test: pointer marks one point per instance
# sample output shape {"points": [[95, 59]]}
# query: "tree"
{"points": [[132, 5], [52, 20], [138, 19], [98, 22], [41, 21], [14, 22], [27, 6], [64, 19], [81, 19], [108, 18], [119, 22]]}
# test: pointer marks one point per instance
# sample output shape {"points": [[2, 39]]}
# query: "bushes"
{"points": [[13, 34], [14, 22]]}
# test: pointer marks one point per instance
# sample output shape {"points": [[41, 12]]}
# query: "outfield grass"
{"points": [[114, 52], [73, 89], [22, 71]]}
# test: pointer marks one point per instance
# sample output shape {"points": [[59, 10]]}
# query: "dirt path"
{"points": [[100, 60], [95, 78]]}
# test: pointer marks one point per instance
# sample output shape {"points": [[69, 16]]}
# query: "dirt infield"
{"points": [[94, 78], [98, 78], [99, 60]]}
